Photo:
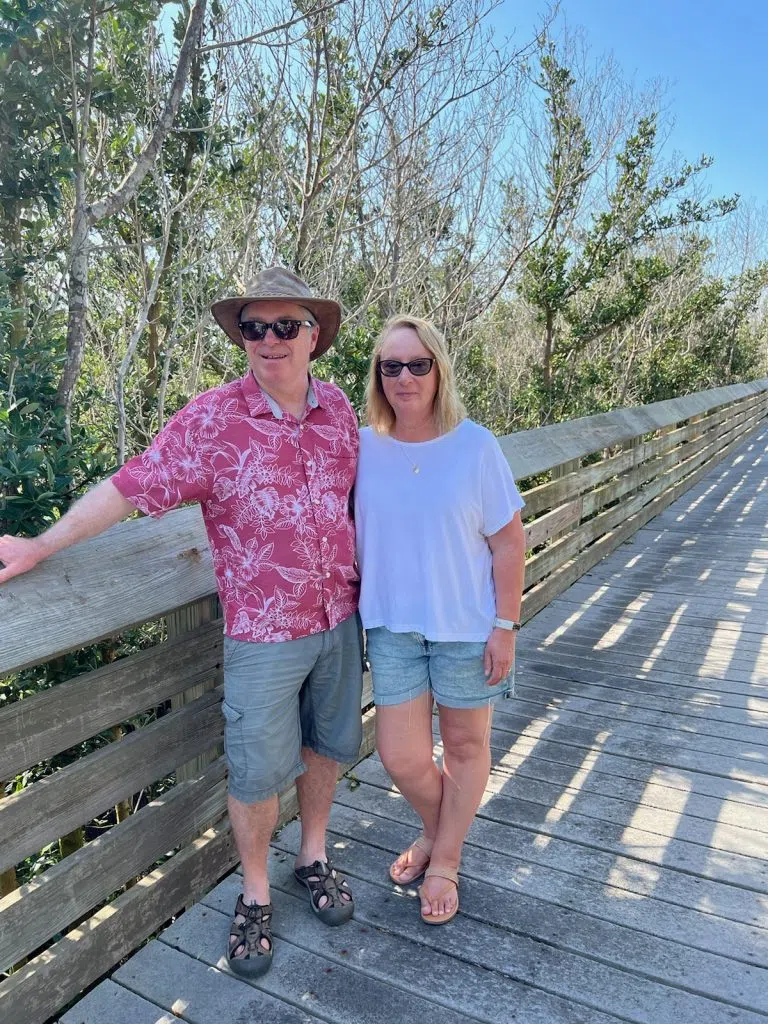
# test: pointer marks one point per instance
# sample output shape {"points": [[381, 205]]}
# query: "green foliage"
{"points": [[41, 472], [346, 363]]}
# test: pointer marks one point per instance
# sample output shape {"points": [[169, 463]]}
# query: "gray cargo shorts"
{"points": [[280, 697]]}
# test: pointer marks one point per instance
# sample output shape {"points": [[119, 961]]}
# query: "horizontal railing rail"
{"points": [[609, 475]]}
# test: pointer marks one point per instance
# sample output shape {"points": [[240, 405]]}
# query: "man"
{"points": [[271, 458]]}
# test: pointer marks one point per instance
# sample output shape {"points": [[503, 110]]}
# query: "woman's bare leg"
{"points": [[404, 742], [466, 764]]}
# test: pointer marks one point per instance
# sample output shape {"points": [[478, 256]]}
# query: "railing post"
{"points": [[185, 620], [564, 469]]}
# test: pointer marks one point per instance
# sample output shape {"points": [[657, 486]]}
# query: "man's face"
{"points": [[275, 362]]}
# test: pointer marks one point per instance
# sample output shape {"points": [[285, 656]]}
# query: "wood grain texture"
{"points": [[75, 885], [537, 450], [561, 578], [46, 723], [563, 488], [135, 572], [55, 805], [151, 567], [53, 978], [34, 994]]}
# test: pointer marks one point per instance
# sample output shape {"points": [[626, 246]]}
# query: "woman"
{"points": [[441, 550]]}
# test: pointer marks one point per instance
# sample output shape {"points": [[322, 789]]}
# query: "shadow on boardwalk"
{"points": [[617, 868]]}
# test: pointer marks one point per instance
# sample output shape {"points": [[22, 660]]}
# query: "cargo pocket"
{"points": [[233, 738]]}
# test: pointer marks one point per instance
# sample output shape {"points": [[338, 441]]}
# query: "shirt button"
{"points": [[327, 575]]}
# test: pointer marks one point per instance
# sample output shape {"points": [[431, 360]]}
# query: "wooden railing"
{"points": [[608, 475]]}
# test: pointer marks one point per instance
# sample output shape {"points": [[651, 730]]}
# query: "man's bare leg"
{"points": [[253, 826], [315, 788]]}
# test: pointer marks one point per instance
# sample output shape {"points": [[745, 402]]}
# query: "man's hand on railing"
{"points": [[19, 555], [95, 512]]}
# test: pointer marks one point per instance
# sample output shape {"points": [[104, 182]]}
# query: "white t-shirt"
{"points": [[421, 536]]}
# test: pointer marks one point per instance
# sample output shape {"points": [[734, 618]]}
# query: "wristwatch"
{"points": [[506, 624]]}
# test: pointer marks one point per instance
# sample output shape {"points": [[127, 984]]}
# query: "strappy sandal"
{"points": [[246, 955], [453, 879], [420, 843], [322, 880]]}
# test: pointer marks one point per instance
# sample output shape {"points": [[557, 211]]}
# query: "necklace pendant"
{"points": [[415, 469]]}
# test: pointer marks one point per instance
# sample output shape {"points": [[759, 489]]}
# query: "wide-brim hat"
{"points": [[279, 284]]}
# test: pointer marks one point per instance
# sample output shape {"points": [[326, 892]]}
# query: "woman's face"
{"points": [[409, 395]]}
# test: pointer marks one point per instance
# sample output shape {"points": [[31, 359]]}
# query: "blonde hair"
{"points": [[448, 407]]}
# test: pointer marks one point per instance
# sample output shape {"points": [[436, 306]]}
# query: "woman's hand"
{"points": [[499, 655]]}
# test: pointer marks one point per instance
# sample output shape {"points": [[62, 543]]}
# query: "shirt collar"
{"points": [[261, 404]]}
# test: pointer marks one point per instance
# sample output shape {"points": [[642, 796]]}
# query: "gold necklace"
{"points": [[414, 465]]}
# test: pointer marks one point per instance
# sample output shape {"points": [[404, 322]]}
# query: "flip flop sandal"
{"points": [[420, 843], [453, 879], [245, 954], [322, 880]]}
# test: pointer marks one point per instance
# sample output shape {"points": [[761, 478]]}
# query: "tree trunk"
{"points": [[85, 217], [16, 288], [548, 346], [78, 300]]}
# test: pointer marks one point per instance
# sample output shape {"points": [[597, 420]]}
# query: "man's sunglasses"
{"points": [[284, 329], [393, 367]]}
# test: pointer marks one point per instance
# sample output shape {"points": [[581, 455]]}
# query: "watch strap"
{"points": [[506, 624]]}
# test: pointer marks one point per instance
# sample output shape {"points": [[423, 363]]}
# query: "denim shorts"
{"points": [[280, 697], [405, 665]]}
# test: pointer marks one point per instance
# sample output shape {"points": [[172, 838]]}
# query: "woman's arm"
{"points": [[508, 560]]}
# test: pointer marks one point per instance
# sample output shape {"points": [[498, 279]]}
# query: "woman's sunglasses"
{"points": [[393, 367], [284, 329]]}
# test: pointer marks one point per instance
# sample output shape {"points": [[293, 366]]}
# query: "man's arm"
{"points": [[95, 512]]}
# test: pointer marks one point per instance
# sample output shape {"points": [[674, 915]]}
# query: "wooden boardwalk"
{"points": [[617, 869]]}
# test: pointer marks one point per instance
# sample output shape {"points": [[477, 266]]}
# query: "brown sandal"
{"points": [[453, 879], [420, 843], [246, 953]]}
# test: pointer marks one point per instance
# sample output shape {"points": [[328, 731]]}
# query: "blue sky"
{"points": [[713, 56]]}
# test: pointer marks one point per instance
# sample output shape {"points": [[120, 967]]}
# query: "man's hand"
{"points": [[18, 555], [499, 655], [94, 512]]}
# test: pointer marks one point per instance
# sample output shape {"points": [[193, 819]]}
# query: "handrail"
{"points": [[637, 462]]}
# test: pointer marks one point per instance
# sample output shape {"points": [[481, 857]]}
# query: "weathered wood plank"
{"points": [[748, 872], [296, 979], [71, 888], [649, 695], [740, 742], [58, 803], [564, 867], [112, 1003], [33, 994], [150, 567], [147, 567], [746, 618], [594, 740], [557, 491], [37, 990], [182, 622], [46, 723], [563, 577], [577, 540], [527, 753], [553, 523], [427, 965], [505, 791], [535, 451], [711, 684], [570, 937]]}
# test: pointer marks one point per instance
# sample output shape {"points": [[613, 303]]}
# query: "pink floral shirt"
{"points": [[274, 493]]}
